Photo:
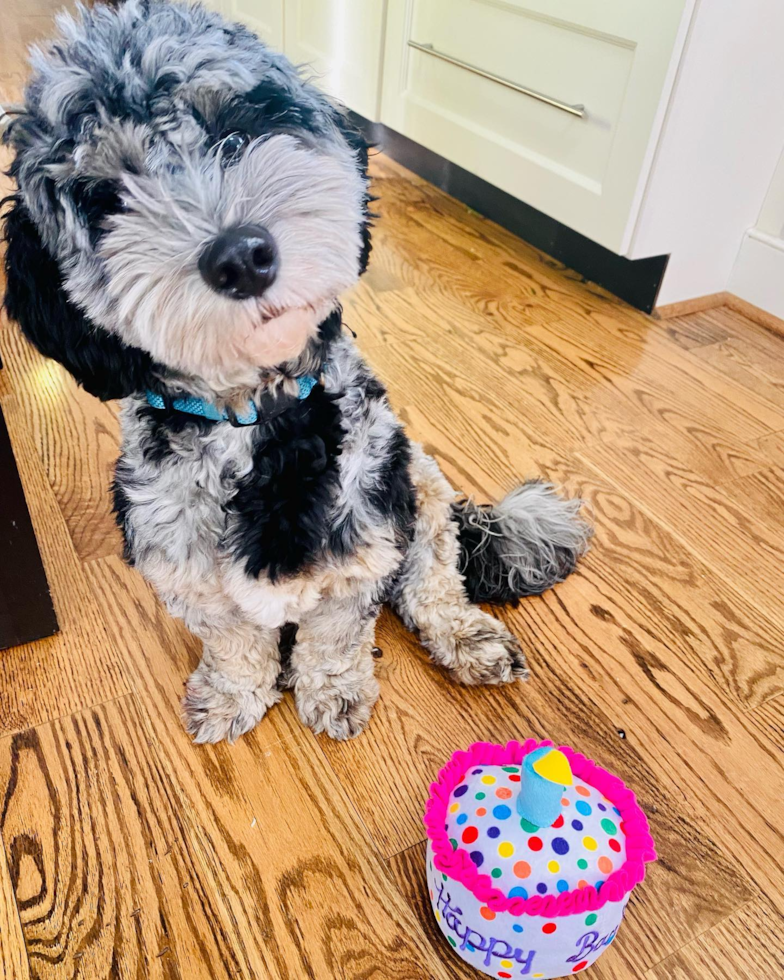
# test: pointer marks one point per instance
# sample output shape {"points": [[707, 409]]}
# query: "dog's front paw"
{"points": [[341, 714], [212, 715], [487, 653]]}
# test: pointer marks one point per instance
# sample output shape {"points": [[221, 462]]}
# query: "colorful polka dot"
{"points": [[580, 966], [565, 802], [463, 818], [481, 811], [542, 888], [518, 892], [511, 768], [477, 857], [475, 772], [502, 812], [582, 791], [590, 919], [453, 842], [585, 808], [488, 780], [506, 849], [470, 834], [582, 864], [602, 807], [460, 791], [480, 796], [589, 844], [529, 828], [496, 872], [560, 845], [577, 824], [493, 832], [452, 941], [506, 963], [503, 793], [562, 885], [517, 927], [615, 846], [504, 975], [549, 928], [522, 869], [514, 779], [605, 865], [582, 883], [609, 827], [535, 843], [598, 885], [553, 867], [487, 913], [558, 823], [454, 808]]}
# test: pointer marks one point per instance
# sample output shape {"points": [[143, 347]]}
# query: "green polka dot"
{"points": [[590, 919], [609, 827], [582, 864], [443, 876], [479, 796], [453, 842], [452, 941], [511, 768], [529, 828], [496, 872]]}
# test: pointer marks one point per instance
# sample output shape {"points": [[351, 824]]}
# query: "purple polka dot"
{"points": [[460, 791], [602, 807], [493, 832], [477, 857], [541, 888], [560, 846], [475, 772], [577, 824], [518, 892]]}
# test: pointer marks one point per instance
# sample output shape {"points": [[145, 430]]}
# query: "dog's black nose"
{"points": [[241, 262]]}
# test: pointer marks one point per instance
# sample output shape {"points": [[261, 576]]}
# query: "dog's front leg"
{"points": [[235, 682], [332, 667]]}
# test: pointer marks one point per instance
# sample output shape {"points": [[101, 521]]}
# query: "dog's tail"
{"points": [[521, 546]]}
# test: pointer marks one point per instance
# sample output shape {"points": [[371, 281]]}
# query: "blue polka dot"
{"points": [[582, 807], [461, 790], [518, 892], [577, 824], [562, 885], [477, 857], [493, 832], [517, 927], [617, 810], [541, 888], [462, 819], [470, 948], [560, 846], [501, 812], [598, 885]]}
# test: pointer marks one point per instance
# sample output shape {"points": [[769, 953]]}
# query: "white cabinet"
{"points": [[613, 57], [264, 17]]}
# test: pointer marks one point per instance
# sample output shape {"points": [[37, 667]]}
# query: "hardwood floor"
{"points": [[128, 851]]}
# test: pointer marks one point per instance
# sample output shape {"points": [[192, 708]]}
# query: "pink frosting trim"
{"points": [[459, 866]]}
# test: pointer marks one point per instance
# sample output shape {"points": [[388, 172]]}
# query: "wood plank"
{"points": [[14, 964], [688, 307], [104, 874], [750, 943], [770, 718], [78, 667], [762, 494], [302, 890], [78, 440]]}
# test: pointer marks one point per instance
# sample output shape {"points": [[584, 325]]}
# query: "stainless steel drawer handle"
{"points": [[574, 110]]}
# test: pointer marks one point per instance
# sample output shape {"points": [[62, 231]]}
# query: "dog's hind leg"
{"points": [[236, 681], [331, 667]]}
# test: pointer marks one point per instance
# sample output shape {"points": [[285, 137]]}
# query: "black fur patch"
{"points": [[282, 505], [120, 507], [393, 496], [35, 298]]}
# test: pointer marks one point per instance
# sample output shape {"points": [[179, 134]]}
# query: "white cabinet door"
{"points": [[614, 57], [264, 17], [341, 42]]}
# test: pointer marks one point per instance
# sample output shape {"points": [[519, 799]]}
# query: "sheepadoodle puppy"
{"points": [[189, 210]]}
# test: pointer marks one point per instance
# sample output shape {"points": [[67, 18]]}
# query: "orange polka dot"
{"points": [[605, 865], [503, 793], [522, 869], [487, 913], [481, 811], [582, 883], [582, 791], [565, 802]]}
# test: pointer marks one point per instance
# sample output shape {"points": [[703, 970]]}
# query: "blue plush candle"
{"points": [[544, 775]]}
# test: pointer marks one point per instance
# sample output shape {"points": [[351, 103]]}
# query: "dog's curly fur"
{"points": [[312, 518]]}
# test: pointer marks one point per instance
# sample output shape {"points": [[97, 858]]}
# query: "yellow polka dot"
{"points": [[589, 844], [438, 916], [506, 963], [454, 808], [553, 866], [506, 850], [489, 780]]}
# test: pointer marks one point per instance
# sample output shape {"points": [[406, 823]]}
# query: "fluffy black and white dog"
{"points": [[188, 211]]}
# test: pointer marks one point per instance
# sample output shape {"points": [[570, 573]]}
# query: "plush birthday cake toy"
{"points": [[532, 855]]}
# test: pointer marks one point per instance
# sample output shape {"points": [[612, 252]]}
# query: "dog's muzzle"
{"points": [[241, 262]]}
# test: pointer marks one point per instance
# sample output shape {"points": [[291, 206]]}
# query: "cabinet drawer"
{"points": [[610, 56]]}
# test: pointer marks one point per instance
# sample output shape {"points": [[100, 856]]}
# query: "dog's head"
{"points": [[186, 201]]}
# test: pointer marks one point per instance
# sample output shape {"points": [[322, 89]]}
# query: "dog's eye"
{"points": [[232, 146]]}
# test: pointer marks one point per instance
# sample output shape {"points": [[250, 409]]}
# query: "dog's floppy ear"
{"points": [[36, 299], [360, 146]]}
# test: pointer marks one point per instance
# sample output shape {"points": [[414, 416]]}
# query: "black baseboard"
{"points": [[26, 611], [635, 281]]}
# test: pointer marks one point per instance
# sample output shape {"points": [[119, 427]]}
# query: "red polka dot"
{"points": [[580, 966], [559, 822], [549, 928], [503, 793], [615, 845], [502, 974], [481, 811], [487, 913], [582, 791], [470, 834], [514, 778], [535, 843]]}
